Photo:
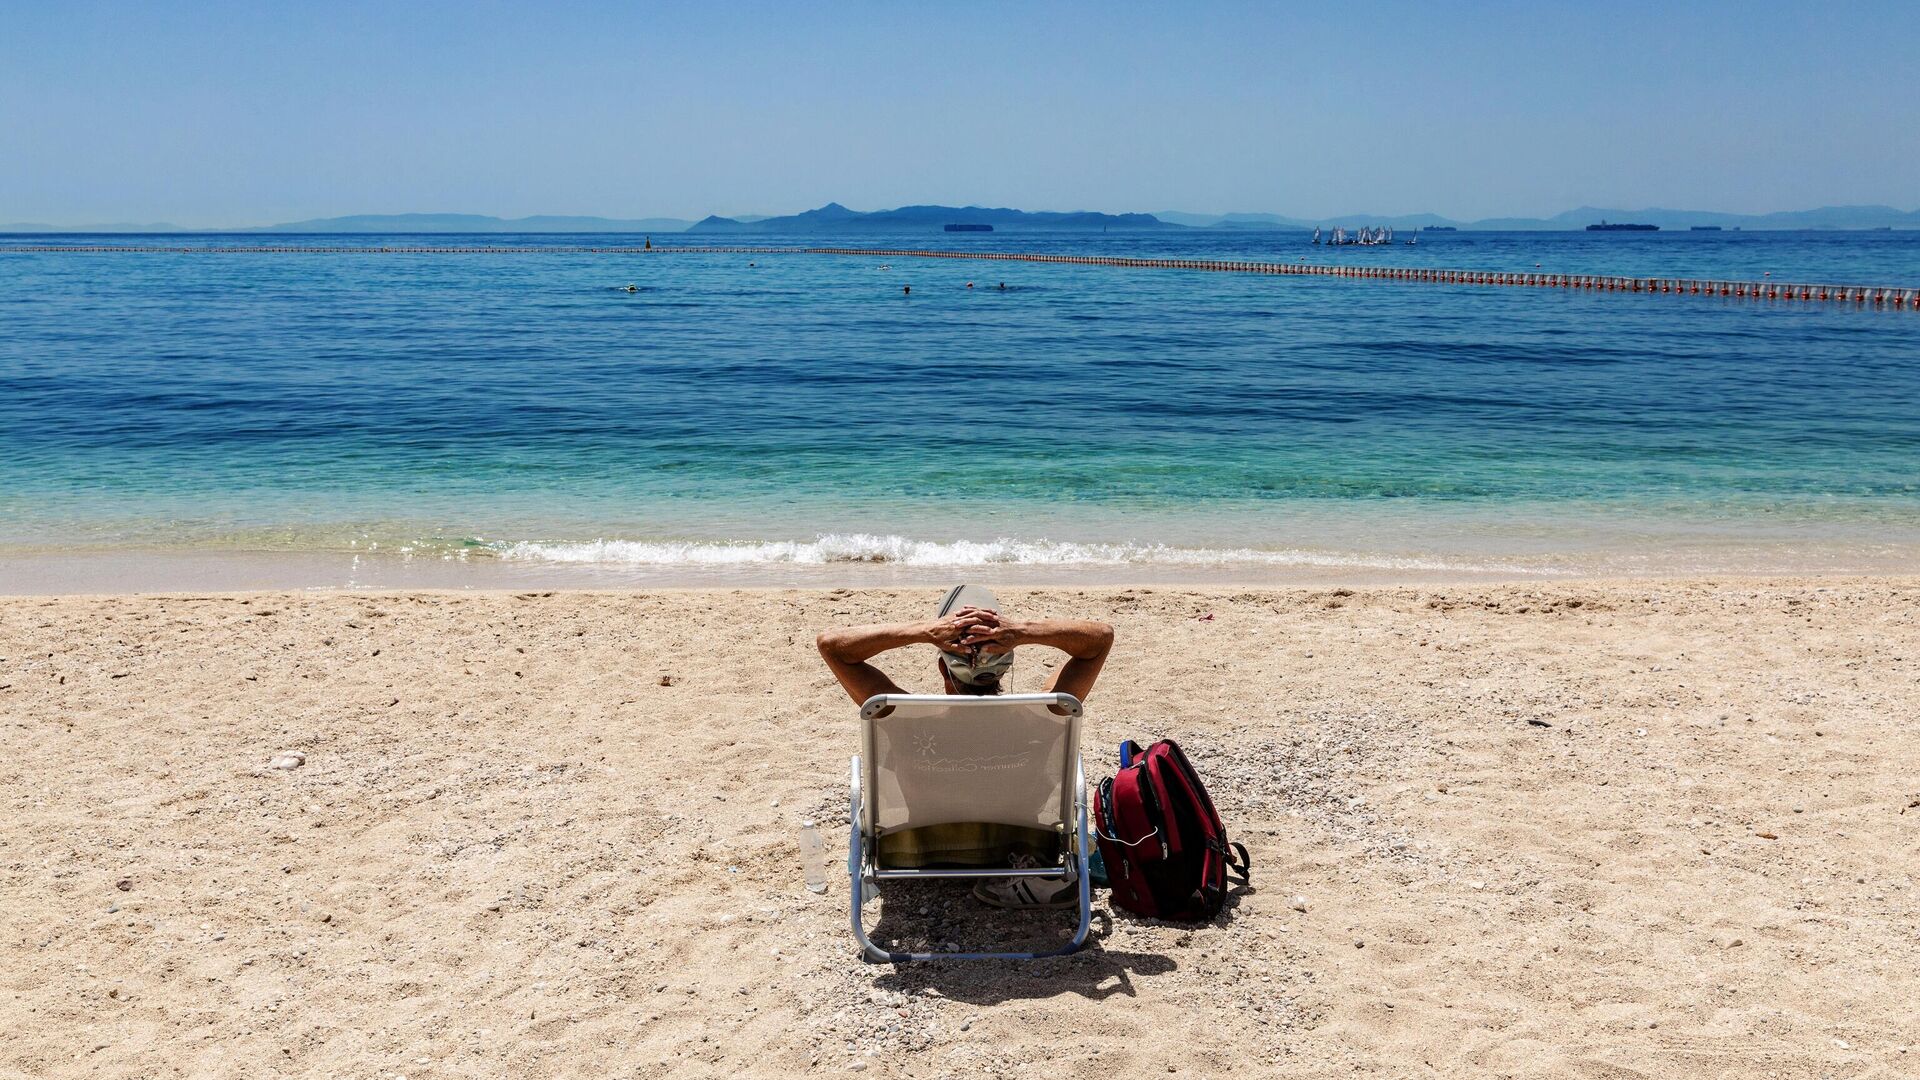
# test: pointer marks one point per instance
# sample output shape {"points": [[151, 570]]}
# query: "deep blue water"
{"points": [[525, 406]]}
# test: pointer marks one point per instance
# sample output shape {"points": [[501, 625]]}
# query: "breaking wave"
{"points": [[834, 548]]}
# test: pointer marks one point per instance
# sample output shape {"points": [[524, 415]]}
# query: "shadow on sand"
{"points": [[927, 916]]}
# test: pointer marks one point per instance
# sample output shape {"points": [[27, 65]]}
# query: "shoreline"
{"points": [[148, 572], [1745, 583]]}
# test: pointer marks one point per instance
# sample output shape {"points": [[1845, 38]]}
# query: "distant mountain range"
{"points": [[836, 218]]}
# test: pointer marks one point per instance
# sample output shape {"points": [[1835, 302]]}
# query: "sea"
{"points": [[546, 416]]}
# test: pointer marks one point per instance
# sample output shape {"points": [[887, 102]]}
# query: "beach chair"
{"points": [[949, 787]]}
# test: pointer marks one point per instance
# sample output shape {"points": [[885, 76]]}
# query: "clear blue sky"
{"points": [[251, 113]]}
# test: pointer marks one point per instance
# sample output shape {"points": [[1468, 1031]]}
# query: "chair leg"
{"points": [[856, 863], [1081, 858], [871, 953]]}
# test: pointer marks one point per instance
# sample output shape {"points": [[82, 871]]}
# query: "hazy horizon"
{"points": [[1829, 217], [662, 221], [238, 116]]}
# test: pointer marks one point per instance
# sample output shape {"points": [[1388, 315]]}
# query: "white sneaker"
{"points": [[1027, 892]]}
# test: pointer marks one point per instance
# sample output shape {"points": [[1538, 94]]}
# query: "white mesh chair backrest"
{"points": [[937, 760]]}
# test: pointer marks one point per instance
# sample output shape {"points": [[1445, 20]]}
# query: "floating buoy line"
{"points": [[1876, 295], [1862, 295]]}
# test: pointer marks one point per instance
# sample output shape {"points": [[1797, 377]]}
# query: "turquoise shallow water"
{"points": [[758, 422]]}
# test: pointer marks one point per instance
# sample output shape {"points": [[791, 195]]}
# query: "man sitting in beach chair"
{"points": [[975, 645]]}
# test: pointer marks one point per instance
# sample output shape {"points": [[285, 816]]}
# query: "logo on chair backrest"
{"points": [[931, 756]]}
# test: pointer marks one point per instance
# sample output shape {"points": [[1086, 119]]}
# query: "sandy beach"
{"points": [[1617, 829]]}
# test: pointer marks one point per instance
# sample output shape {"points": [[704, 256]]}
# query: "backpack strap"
{"points": [[1241, 871], [1128, 748]]}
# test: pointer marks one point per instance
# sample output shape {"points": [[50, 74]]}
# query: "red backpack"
{"points": [[1166, 852]]}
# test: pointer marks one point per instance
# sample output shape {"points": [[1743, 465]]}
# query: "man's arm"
{"points": [[847, 651], [1085, 642]]}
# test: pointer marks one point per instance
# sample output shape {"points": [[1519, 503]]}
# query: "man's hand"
{"points": [[953, 633], [993, 634]]}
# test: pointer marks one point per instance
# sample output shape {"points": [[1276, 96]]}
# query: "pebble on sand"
{"points": [[290, 759], [1299, 904]]}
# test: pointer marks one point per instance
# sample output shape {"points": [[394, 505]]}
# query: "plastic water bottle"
{"points": [[812, 854]]}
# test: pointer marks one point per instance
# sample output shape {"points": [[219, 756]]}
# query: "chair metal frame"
{"points": [[864, 872]]}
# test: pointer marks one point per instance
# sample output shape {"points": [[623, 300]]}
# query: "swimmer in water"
{"points": [[632, 288], [1003, 286], [969, 284], [906, 290]]}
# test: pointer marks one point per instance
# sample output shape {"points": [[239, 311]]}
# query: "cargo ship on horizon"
{"points": [[1621, 226]]}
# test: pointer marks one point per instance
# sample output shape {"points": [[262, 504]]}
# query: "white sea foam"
{"points": [[832, 548]]}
